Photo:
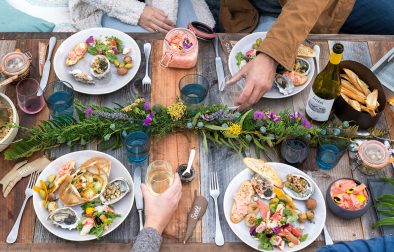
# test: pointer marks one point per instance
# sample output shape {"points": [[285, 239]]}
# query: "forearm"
{"points": [[296, 20], [127, 11], [147, 240]]}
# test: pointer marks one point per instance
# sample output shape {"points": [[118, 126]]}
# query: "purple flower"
{"points": [[207, 117], [272, 115], [148, 120], [89, 111], [147, 105], [297, 115], [90, 40], [187, 43], [276, 118], [306, 123], [258, 115], [292, 117]]}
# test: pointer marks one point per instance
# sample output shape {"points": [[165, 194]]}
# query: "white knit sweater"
{"points": [[88, 13]]}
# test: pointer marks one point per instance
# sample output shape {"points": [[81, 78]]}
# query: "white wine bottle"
{"points": [[326, 88]]}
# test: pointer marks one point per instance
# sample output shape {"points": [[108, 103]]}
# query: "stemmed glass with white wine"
{"points": [[159, 176]]}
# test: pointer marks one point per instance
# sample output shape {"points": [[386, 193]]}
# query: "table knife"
{"points": [[47, 66], [219, 66], [139, 203]]}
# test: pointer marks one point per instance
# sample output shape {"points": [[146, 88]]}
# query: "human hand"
{"points": [[259, 75], [160, 209], [155, 20]]}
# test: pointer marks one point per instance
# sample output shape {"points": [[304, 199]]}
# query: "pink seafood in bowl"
{"points": [[347, 194]]}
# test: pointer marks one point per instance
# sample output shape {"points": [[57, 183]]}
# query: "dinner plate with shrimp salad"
{"points": [[260, 207]]}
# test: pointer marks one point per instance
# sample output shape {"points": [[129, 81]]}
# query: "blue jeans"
{"points": [[378, 244], [186, 15], [371, 17], [265, 23]]}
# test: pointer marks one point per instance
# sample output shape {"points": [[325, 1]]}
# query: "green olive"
{"points": [[43, 194], [121, 65], [116, 63], [128, 66]]}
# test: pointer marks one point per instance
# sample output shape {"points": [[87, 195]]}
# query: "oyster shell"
{"points": [[64, 217], [284, 84], [298, 187], [115, 191], [263, 186], [82, 76], [100, 66], [301, 66]]}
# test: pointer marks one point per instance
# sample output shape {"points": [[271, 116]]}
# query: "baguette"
{"points": [[241, 201], [259, 167], [354, 104], [351, 88], [353, 78], [352, 95], [305, 51]]}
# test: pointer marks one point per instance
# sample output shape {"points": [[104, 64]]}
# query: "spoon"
{"points": [[189, 164]]}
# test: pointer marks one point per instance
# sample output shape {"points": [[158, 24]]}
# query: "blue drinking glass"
{"points": [[193, 89], [59, 97], [330, 150], [137, 145]]}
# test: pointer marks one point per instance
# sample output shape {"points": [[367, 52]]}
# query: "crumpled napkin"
{"points": [[20, 170]]}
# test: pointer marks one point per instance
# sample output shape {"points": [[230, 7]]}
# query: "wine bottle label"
{"points": [[318, 109]]}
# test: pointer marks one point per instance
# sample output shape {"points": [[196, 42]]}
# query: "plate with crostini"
{"points": [[97, 61], [261, 207], [83, 195]]}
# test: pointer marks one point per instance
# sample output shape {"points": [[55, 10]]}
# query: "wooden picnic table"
{"points": [[175, 148]]}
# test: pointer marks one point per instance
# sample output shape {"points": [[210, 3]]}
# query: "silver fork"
{"points": [[146, 82], [214, 191], [11, 238]]}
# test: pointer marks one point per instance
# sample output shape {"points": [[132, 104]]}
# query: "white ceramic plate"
{"points": [[122, 207], [242, 231], [112, 81], [244, 45]]}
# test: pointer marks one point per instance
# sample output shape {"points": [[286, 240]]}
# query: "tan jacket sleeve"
{"points": [[296, 20]]}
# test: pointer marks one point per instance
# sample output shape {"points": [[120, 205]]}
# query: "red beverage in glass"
{"points": [[29, 95]]}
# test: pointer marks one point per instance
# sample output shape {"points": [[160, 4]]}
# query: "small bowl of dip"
{"points": [[373, 156], [348, 198]]}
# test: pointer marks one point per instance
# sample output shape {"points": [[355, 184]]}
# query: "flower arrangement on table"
{"points": [[215, 123]]}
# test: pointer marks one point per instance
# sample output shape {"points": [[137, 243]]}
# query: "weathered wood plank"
{"points": [[174, 148], [17, 196]]}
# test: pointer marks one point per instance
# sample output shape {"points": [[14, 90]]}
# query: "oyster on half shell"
{"points": [[64, 217], [263, 186], [298, 187], [115, 191], [284, 84]]}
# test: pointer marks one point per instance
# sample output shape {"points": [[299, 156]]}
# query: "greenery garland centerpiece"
{"points": [[215, 123]]}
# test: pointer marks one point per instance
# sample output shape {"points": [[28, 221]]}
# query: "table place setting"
{"points": [[92, 123]]}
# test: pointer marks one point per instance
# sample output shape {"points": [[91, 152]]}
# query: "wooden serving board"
{"points": [[174, 148]]}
